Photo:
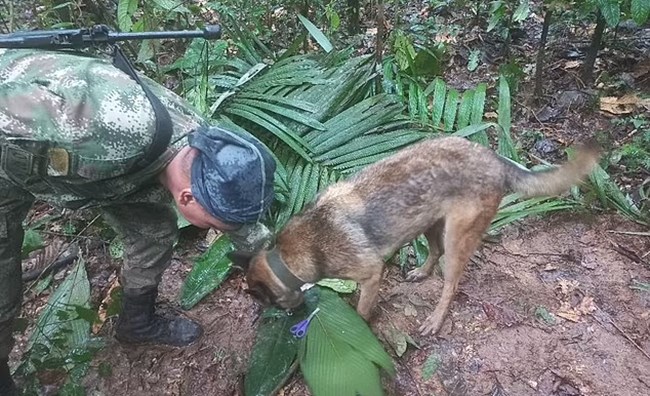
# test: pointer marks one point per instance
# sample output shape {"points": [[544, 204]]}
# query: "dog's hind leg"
{"points": [[434, 236], [463, 233]]}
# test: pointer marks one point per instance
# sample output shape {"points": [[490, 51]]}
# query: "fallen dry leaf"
{"points": [[585, 307], [572, 64], [623, 105], [106, 302], [409, 310], [567, 287]]}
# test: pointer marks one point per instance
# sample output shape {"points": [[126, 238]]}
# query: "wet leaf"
{"points": [[543, 314], [474, 59], [400, 340], [316, 33], [640, 10], [181, 222], [33, 240], [273, 359], [59, 329], [43, 284], [339, 285], [340, 356], [431, 366], [611, 11], [105, 370], [116, 248], [208, 272], [640, 286]]}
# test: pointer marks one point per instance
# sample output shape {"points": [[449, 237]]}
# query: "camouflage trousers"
{"points": [[149, 232]]}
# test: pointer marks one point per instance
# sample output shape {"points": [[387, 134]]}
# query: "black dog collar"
{"points": [[280, 270]]}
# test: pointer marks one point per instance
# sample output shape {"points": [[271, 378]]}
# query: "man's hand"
{"points": [[251, 238]]}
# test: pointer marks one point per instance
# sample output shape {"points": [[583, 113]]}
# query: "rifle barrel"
{"points": [[78, 38], [210, 32]]}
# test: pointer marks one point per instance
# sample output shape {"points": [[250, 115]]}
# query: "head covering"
{"points": [[232, 175]]}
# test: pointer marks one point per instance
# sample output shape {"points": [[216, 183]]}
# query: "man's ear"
{"points": [[185, 196], [240, 260]]}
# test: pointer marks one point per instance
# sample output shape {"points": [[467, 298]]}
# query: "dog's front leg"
{"points": [[369, 291]]}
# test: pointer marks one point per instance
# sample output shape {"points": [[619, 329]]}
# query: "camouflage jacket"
{"points": [[61, 105]]}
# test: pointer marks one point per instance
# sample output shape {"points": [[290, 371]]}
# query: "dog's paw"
{"points": [[416, 275], [430, 326]]}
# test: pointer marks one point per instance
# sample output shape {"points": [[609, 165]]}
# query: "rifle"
{"points": [[98, 34]]}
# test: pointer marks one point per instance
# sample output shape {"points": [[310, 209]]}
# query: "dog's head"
{"points": [[263, 283]]}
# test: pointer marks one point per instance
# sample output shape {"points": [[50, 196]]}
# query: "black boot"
{"points": [[7, 386], [138, 324]]}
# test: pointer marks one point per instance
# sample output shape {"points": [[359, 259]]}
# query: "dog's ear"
{"points": [[240, 260]]}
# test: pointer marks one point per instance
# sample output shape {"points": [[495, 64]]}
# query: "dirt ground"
{"points": [[498, 340]]}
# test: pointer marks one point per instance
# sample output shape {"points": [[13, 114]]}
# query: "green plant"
{"points": [[338, 356], [60, 342]]}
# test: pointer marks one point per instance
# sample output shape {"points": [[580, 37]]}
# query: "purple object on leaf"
{"points": [[300, 329]]}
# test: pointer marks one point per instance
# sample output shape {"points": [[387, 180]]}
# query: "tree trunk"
{"points": [[353, 16], [539, 65], [592, 53], [379, 44]]}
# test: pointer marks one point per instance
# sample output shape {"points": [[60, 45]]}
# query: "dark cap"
{"points": [[232, 175]]}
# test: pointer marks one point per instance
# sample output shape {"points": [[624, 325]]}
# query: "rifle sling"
{"points": [[164, 128]]}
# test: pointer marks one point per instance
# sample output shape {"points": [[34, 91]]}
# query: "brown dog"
{"points": [[448, 189]]}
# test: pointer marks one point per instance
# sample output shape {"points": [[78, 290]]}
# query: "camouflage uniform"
{"points": [[85, 123]]}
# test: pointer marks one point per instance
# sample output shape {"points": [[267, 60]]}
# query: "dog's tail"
{"points": [[556, 180]]}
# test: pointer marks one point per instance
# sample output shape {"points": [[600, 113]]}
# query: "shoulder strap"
{"points": [[164, 129]]}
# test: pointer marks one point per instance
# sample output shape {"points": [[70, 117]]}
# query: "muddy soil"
{"points": [[547, 309]]}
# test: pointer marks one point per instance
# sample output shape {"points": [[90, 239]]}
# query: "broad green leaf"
{"points": [[611, 11], [475, 128], [181, 221], [316, 33], [208, 272], [339, 285], [172, 5], [521, 12], [439, 95], [59, 321], [423, 106], [465, 109], [116, 248], [413, 100], [125, 10], [478, 105], [640, 10], [474, 59], [340, 355], [506, 146], [451, 107], [273, 358], [430, 366], [33, 240]]}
